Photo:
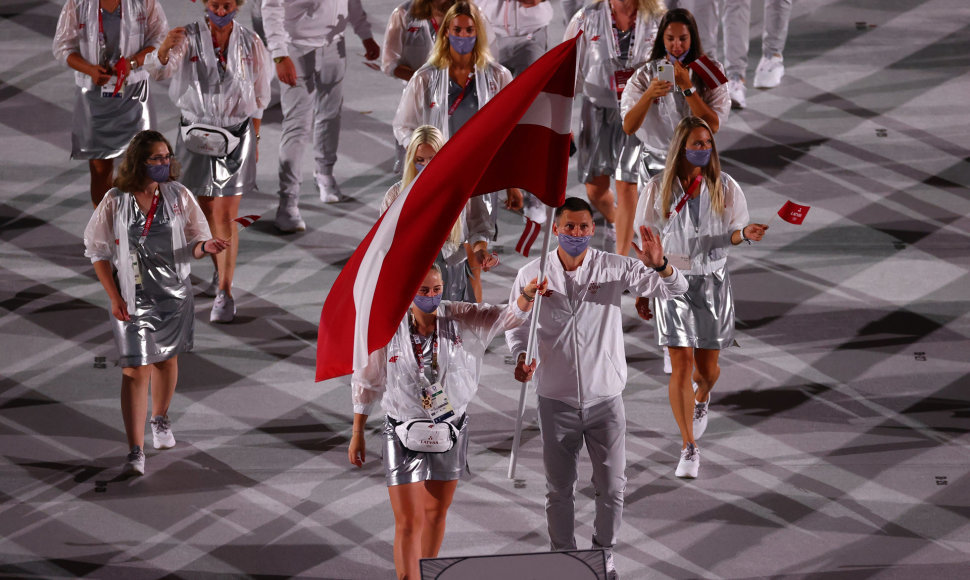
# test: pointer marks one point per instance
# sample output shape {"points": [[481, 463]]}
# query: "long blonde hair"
{"points": [[675, 156], [653, 8], [426, 135], [441, 53]]}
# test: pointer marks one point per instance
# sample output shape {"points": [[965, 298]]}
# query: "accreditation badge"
{"points": [[134, 267], [441, 409], [679, 261], [108, 89]]}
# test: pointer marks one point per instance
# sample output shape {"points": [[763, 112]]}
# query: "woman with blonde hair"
{"points": [[437, 353], [458, 79], [617, 38], [220, 75], [146, 228], [472, 228], [700, 213]]}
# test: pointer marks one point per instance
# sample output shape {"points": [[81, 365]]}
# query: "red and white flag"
{"points": [[528, 237], [520, 138], [709, 72], [247, 220], [793, 213]]}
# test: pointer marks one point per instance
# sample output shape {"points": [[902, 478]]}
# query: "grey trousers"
{"points": [[516, 53], [313, 105], [564, 430]]}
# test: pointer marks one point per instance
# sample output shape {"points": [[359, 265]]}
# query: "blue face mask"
{"points": [[427, 304], [698, 157], [462, 44], [574, 245], [157, 173], [679, 59], [419, 166], [220, 21]]}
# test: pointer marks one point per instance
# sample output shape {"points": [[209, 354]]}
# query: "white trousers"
{"points": [[314, 104], [564, 429]]}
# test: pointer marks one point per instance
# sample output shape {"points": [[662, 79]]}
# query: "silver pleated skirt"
{"points": [[603, 147], [103, 126], [703, 317], [234, 174], [401, 465], [163, 322]]}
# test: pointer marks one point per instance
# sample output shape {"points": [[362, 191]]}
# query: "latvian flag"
{"points": [[709, 72], [518, 139], [793, 213], [528, 237], [246, 220]]}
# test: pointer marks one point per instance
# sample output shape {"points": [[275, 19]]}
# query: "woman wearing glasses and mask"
{"points": [[140, 240], [424, 379], [220, 75], [700, 213]]}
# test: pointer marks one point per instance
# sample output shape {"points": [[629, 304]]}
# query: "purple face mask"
{"points": [[419, 166], [220, 21], [462, 44], [157, 173], [698, 157], [427, 304], [574, 245]]}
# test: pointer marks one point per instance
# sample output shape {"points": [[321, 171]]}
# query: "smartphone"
{"points": [[665, 72]]}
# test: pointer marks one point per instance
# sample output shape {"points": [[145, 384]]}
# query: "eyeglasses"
{"points": [[160, 158]]}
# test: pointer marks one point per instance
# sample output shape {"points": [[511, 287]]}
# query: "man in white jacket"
{"points": [[306, 41], [581, 368]]}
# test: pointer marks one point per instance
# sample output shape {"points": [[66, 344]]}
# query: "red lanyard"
{"points": [[461, 95], [434, 24], [220, 54], [149, 219], [101, 37], [616, 36], [690, 189], [416, 343]]}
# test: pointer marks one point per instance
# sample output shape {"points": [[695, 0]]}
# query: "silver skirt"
{"points": [[603, 147], [401, 465], [234, 174], [162, 324], [103, 126], [701, 318]]}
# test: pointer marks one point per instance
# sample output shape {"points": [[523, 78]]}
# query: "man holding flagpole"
{"points": [[581, 365]]}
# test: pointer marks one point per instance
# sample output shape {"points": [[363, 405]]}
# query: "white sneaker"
{"points": [[611, 567], [667, 368], [212, 287], [162, 435], [135, 462], [769, 72], [609, 238], [288, 219], [690, 462], [700, 418], [223, 308], [329, 190], [737, 91]]}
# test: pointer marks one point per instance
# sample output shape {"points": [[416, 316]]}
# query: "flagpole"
{"points": [[531, 345]]}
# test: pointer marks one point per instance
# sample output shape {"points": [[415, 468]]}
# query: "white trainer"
{"points": [[162, 435], [690, 462], [223, 308], [329, 190], [769, 72], [611, 567], [288, 218], [737, 91], [700, 418], [135, 462]]}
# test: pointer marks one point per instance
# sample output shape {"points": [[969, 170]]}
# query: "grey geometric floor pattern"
{"points": [[838, 445]]}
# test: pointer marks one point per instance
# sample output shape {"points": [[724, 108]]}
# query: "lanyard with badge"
{"points": [[433, 398], [461, 95], [682, 261], [114, 88], [621, 76], [133, 253]]}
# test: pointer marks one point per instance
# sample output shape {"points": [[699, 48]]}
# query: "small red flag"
{"points": [[793, 213], [709, 72], [246, 220], [528, 237]]}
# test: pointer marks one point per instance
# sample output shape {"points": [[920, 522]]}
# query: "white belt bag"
{"points": [[426, 436], [209, 140]]}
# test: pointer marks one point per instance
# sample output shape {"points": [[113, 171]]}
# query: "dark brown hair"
{"points": [[684, 17], [131, 172]]}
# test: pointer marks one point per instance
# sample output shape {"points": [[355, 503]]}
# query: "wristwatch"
{"points": [[132, 63], [278, 59], [689, 91]]}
